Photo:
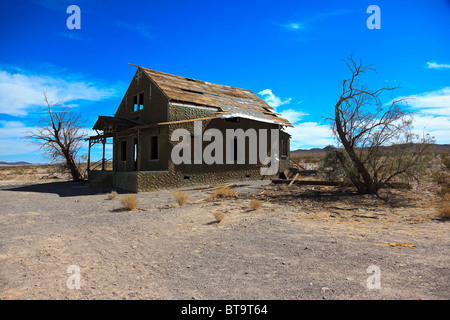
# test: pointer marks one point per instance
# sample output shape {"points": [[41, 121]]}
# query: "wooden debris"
{"points": [[306, 183], [293, 180]]}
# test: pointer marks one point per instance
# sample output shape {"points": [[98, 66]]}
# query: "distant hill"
{"points": [[317, 152], [18, 163]]}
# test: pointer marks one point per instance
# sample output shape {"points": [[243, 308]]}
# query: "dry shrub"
{"points": [[130, 202], [223, 192], [180, 197], [444, 211], [112, 195], [255, 204], [219, 216], [444, 208]]}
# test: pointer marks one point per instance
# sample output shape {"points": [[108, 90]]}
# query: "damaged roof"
{"points": [[229, 101]]}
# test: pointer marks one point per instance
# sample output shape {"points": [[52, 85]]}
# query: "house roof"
{"points": [[234, 101]]}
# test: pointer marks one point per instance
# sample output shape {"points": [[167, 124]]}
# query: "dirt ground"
{"points": [[305, 242]]}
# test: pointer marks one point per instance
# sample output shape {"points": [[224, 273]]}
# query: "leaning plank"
{"points": [[293, 180]]}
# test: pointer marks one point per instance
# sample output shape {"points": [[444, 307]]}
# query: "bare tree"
{"points": [[60, 135], [378, 145]]}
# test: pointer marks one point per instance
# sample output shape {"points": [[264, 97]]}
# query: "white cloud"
{"points": [[307, 135], [21, 91], [294, 26], [435, 65], [271, 99], [11, 143], [433, 113], [293, 115], [435, 102]]}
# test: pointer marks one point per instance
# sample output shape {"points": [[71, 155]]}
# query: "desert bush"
{"points": [[112, 195], [219, 216], [444, 210], [130, 202], [255, 204], [223, 192], [180, 197]]}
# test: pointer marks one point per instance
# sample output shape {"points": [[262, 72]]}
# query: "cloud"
{"points": [[271, 99], [434, 102], [433, 113], [21, 91], [292, 115], [435, 65], [304, 134], [10, 142], [307, 135], [294, 26], [314, 18]]}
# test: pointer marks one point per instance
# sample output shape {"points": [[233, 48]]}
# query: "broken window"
{"points": [[283, 148], [123, 151], [135, 103], [141, 101], [154, 148], [138, 102]]}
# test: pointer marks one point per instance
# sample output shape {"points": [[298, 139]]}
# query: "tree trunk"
{"points": [[367, 185]]}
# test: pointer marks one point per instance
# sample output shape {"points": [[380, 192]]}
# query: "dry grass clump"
{"points": [[444, 207], [112, 195], [223, 192], [255, 204], [130, 202], [444, 211], [219, 216], [180, 197]]}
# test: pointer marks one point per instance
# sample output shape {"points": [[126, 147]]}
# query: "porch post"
{"points": [[89, 157], [103, 158], [138, 164]]}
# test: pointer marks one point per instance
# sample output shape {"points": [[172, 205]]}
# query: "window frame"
{"points": [[151, 148]]}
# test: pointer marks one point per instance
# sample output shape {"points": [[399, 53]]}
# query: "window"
{"points": [[141, 101], [135, 103], [283, 148], [154, 155], [138, 102], [135, 154], [123, 151]]}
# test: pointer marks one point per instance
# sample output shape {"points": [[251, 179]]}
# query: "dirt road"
{"points": [[304, 243]]}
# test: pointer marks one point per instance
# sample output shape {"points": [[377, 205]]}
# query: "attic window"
{"points": [[138, 102], [187, 90]]}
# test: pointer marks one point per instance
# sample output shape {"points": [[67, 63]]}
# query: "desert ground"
{"points": [[303, 242]]}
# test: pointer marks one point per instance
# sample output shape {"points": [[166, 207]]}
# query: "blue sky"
{"points": [[291, 53]]}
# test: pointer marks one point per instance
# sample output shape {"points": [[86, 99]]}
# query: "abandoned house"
{"points": [[153, 107]]}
